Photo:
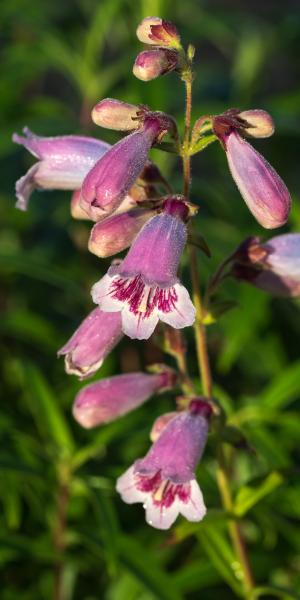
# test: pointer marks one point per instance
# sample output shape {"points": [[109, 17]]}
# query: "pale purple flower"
{"points": [[94, 339], [114, 174], [64, 161], [151, 64], [115, 114], [108, 399], [117, 232], [273, 266], [145, 286], [264, 192], [164, 480]]}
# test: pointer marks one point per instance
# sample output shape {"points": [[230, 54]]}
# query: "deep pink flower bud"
{"points": [[157, 31], [63, 162], [153, 63], [115, 114], [264, 192], [113, 175], [273, 266], [108, 399], [145, 286], [164, 480], [94, 339], [117, 232]]}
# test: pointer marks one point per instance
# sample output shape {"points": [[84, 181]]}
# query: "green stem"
{"points": [[59, 541], [203, 360]]}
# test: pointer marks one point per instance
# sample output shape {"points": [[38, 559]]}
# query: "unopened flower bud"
{"points": [[153, 63], [117, 115], [77, 211], [94, 339], [259, 123], [158, 32], [106, 400]]}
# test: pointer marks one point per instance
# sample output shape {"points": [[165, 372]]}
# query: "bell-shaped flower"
{"points": [[264, 192], [106, 400], [64, 161], [151, 64], [164, 480], [273, 266], [94, 339], [144, 287], [114, 174]]}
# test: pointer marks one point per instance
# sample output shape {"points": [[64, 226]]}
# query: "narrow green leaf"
{"points": [[283, 389], [248, 496], [219, 551]]}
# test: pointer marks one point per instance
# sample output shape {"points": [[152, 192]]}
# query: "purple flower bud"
{"points": [[113, 175], [117, 232], [157, 31], [94, 339], [145, 286], [108, 399], [63, 162], [153, 63], [264, 192], [273, 266], [114, 114], [164, 480], [259, 123]]}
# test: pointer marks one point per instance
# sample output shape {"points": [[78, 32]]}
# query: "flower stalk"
{"points": [[203, 357]]}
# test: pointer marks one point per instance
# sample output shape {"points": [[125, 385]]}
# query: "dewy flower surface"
{"points": [[103, 401], [64, 161], [164, 480], [94, 339], [145, 286]]}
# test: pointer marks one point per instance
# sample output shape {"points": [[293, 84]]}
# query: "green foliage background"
{"points": [[57, 60]]}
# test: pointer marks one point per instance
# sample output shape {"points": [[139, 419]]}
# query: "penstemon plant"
{"points": [[133, 206]]}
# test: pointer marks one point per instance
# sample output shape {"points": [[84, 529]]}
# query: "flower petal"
{"points": [[126, 486], [25, 186], [159, 516], [136, 325], [194, 509], [183, 313], [101, 294]]}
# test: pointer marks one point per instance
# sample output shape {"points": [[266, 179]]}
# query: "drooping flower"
{"points": [[158, 32], [151, 64], [145, 286], [108, 399], [164, 480], [64, 161], [94, 339], [273, 266], [264, 192], [114, 174]]}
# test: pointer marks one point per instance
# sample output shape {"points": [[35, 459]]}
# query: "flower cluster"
{"points": [[131, 206]]}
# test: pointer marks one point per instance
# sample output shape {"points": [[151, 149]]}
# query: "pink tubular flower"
{"points": [[144, 286], [264, 192], [113, 175], [94, 339], [151, 64], [158, 32], [64, 162], [108, 399], [164, 480], [273, 266]]}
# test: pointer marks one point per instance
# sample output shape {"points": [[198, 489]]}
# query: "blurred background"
{"points": [[57, 60]]}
